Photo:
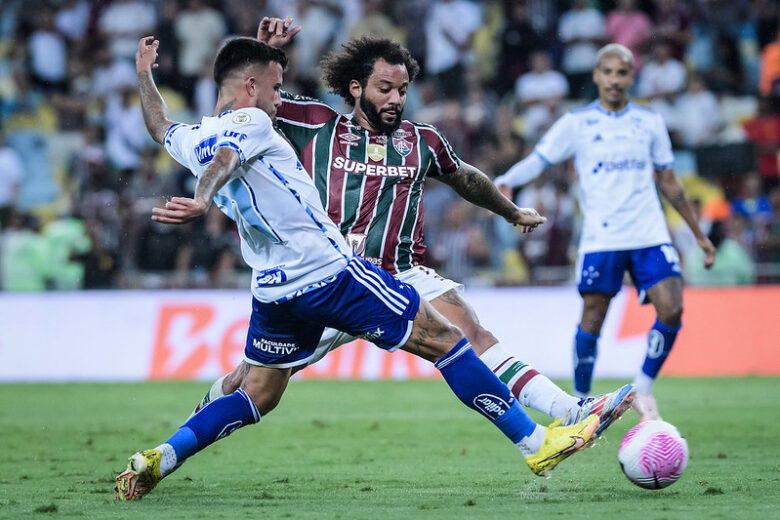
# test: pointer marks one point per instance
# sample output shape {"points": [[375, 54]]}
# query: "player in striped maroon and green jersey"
{"points": [[371, 183], [369, 167]]}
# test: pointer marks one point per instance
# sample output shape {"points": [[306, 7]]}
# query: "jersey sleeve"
{"points": [[248, 131], [173, 141], [661, 148], [300, 117], [557, 144], [444, 158]]}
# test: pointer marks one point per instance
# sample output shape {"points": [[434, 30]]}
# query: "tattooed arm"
{"points": [[180, 210], [673, 192], [477, 188], [152, 104]]}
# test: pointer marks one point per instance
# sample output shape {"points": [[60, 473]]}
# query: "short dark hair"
{"points": [[237, 53], [356, 61]]}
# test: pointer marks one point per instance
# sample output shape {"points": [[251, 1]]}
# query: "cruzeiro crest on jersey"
{"points": [[402, 142]]}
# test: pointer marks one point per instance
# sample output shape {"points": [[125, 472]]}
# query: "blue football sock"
{"points": [[585, 349], [659, 344], [479, 388], [219, 419]]}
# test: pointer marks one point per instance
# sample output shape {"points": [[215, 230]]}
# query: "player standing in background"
{"points": [[305, 277], [369, 167], [617, 145]]}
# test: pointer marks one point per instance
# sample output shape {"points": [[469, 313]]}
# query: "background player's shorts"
{"points": [[425, 280], [603, 271], [362, 300]]}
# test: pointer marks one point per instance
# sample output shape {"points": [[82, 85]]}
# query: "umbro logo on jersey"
{"points": [[349, 139]]}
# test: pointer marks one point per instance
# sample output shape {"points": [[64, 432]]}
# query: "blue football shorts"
{"points": [[362, 300], [602, 271]]}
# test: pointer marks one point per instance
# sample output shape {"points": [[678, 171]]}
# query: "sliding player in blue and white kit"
{"points": [[305, 277], [617, 147]]}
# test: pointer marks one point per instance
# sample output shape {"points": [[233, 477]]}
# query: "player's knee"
{"points": [[264, 400], [671, 315], [480, 338], [233, 381]]}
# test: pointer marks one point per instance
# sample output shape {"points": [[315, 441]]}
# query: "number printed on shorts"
{"points": [[670, 253]]}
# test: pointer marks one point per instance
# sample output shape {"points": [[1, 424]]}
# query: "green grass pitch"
{"points": [[376, 450]]}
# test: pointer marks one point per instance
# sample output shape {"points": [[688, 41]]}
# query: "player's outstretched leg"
{"points": [[479, 388], [219, 419]]}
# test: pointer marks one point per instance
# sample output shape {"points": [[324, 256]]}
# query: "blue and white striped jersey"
{"points": [[615, 154], [286, 236]]}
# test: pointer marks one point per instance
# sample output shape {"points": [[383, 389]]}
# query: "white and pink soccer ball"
{"points": [[653, 454]]}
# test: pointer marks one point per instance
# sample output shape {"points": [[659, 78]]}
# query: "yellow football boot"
{"points": [[560, 442], [140, 477]]}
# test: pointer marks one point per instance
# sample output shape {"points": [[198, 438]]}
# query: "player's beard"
{"points": [[374, 116]]}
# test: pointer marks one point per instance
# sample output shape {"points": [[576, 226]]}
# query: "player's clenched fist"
{"points": [[146, 55]]}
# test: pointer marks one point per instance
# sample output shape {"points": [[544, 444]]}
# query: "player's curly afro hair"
{"points": [[356, 61]]}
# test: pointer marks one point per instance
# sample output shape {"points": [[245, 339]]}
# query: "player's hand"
{"points": [[527, 219], [505, 190], [146, 55], [180, 210], [276, 32], [709, 251]]}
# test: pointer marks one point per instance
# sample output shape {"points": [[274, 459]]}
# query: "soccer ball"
{"points": [[653, 454]]}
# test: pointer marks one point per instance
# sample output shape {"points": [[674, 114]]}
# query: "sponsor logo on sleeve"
{"points": [[204, 151]]}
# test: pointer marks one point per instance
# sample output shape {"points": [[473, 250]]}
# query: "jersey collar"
{"points": [[609, 113]]}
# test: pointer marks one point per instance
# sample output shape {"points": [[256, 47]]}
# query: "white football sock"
{"points": [[531, 444], [531, 388], [643, 383], [168, 460]]}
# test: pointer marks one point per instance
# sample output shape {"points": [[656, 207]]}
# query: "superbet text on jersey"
{"points": [[371, 184]]}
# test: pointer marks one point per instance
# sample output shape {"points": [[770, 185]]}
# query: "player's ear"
{"points": [[250, 85], [355, 88]]}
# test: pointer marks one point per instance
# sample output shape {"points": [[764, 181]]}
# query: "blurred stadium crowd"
{"points": [[79, 175]]}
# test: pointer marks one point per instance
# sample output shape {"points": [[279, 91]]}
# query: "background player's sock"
{"points": [[531, 388], [219, 419], [659, 343], [585, 346], [479, 388]]}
